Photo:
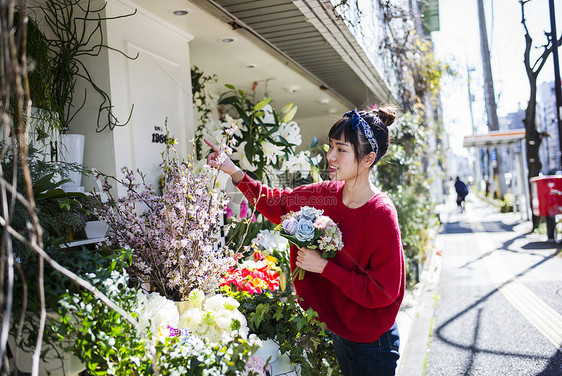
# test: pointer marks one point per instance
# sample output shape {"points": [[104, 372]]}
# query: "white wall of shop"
{"points": [[316, 126], [156, 85]]}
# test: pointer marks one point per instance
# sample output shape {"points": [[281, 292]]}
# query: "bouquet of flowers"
{"points": [[309, 228]]}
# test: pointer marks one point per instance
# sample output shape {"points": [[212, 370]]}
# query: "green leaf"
{"points": [[64, 203], [261, 104], [44, 183], [245, 118], [284, 142], [278, 315], [52, 193], [228, 100], [231, 87]]}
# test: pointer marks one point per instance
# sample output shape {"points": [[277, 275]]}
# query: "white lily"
{"points": [[299, 163], [271, 151], [268, 117], [240, 155], [290, 132]]}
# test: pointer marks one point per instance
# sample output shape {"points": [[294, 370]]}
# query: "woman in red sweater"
{"points": [[358, 292]]}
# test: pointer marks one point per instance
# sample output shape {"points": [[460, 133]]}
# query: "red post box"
{"points": [[547, 195]]}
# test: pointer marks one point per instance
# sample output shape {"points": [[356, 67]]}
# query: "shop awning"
{"points": [[496, 138], [309, 36]]}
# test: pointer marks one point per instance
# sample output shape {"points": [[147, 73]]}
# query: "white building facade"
{"points": [[293, 51]]}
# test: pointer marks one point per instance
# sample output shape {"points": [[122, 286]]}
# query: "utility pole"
{"points": [[557, 89], [489, 96], [477, 162], [468, 69]]}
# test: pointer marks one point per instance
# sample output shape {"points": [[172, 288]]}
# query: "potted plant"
{"points": [[277, 315], [61, 214], [24, 330], [75, 31]]}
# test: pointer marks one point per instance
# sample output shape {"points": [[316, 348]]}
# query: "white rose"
{"points": [[223, 320], [214, 303]]}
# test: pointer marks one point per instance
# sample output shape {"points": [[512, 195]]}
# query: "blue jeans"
{"points": [[378, 358]]}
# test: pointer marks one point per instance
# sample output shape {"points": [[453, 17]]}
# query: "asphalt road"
{"points": [[498, 305]]}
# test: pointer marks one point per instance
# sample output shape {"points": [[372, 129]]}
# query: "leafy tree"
{"points": [[402, 174]]}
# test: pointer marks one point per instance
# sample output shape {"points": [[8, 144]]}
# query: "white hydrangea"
{"points": [[216, 320], [155, 311], [191, 318]]}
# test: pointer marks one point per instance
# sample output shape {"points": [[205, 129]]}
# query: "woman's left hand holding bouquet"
{"points": [[218, 159], [311, 260]]}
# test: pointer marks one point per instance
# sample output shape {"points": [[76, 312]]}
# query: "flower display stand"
{"points": [[55, 362], [183, 306]]}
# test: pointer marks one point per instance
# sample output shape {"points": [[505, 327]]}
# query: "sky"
{"points": [[458, 43]]}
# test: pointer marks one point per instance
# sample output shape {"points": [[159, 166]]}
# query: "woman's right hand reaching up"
{"points": [[214, 160]]}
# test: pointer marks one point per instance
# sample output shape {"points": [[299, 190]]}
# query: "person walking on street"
{"points": [[462, 192], [357, 293]]}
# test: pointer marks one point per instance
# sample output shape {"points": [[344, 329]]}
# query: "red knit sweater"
{"points": [[360, 290]]}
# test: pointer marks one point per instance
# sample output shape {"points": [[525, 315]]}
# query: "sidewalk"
{"points": [[415, 318]]}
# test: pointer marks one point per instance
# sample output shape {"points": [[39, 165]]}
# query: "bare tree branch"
{"points": [[9, 70], [80, 281], [15, 111]]}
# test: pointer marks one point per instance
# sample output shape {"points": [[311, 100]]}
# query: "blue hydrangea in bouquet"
{"points": [[309, 228]]}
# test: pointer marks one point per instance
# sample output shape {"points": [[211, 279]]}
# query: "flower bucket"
{"points": [[71, 150], [183, 306], [269, 350], [96, 229]]}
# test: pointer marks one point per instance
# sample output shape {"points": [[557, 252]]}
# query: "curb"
{"points": [[416, 316]]}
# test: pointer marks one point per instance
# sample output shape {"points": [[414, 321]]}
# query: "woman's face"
{"points": [[341, 160]]}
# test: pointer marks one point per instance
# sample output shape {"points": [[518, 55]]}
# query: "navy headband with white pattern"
{"points": [[358, 121]]}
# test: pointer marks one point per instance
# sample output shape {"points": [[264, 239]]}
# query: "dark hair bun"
{"points": [[387, 114]]}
